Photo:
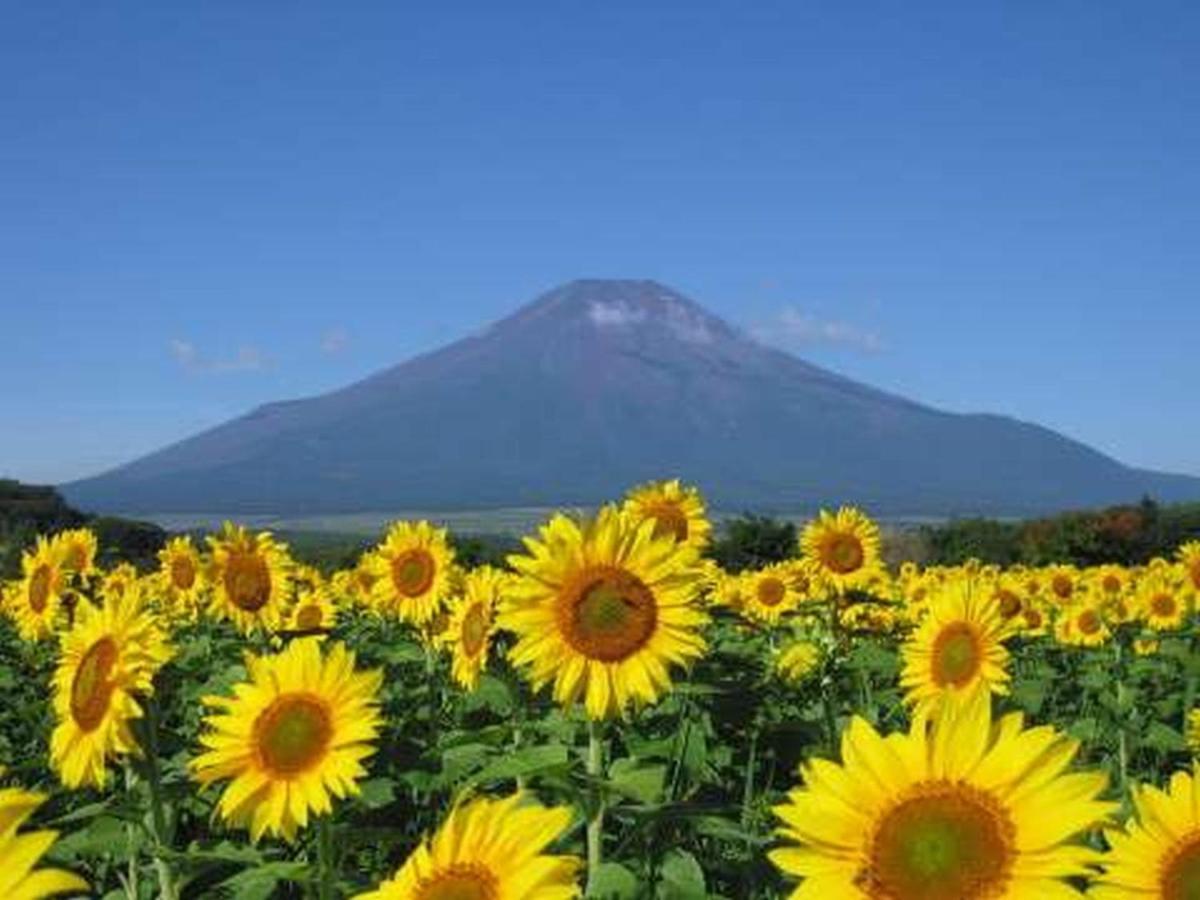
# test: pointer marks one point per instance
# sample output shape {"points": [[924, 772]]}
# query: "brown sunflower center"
{"points": [[1088, 621], [1033, 618], [1162, 604], [413, 571], [771, 591], [463, 881], [957, 655], [474, 629], [842, 553], [183, 573], [949, 841], [77, 557], [248, 581], [1180, 879], [39, 588], [669, 520], [1111, 584], [1010, 603], [293, 733], [1194, 573], [92, 688], [1063, 586], [309, 617], [608, 615]]}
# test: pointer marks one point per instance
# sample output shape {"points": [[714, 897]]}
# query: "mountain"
{"points": [[598, 385]]}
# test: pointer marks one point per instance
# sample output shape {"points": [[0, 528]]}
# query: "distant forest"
{"points": [[1130, 535]]}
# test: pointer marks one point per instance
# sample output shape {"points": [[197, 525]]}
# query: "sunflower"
{"points": [[412, 571], [77, 548], [108, 658], [1189, 558], [956, 653], [798, 661], [291, 736], [35, 605], [489, 850], [314, 611], [182, 574], [601, 608], [1007, 594], [20, 852], [472, 621], [1145, 646], [251, 576], [1157, 855], [768, 593], [1161, 602], [843, 548], [954, 810], [1082, 626], [1061, 583], [119, 581], [677, 511]]}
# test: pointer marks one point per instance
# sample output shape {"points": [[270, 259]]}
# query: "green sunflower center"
{"points": [[92, 687], [771, 591], [183, 573], [474, 629], [842, 553], [1181, 873], [293, 733], [39, 588], [465, 881], [248, 581], [957, 655], [412, 572], [610, 616], [948, 842], [669, 521]]}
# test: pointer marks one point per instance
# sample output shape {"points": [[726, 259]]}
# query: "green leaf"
{"points": [[613, 881], [377, 793], [1165, 738], [682, 878], [638, 780], [523, 763], [260, 882]]}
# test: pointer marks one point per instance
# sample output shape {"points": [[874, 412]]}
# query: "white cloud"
{"points": [[790, 327], [335, 341], [607, 315], [247, 359]]}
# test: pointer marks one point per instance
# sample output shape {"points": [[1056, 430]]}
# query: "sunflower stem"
{"points": [[595, 825], [158, 813], [325, 857]]}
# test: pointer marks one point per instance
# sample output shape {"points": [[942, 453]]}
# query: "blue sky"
{"points": [[985, 206]]}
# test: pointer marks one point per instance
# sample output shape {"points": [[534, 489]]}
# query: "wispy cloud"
{"points": [[617, 314], [792, 328], [335, 341], [247, 359]]}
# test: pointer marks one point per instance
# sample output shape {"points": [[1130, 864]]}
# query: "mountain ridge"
{"points": [[598, 384]]}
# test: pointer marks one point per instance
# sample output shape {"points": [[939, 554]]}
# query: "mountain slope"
{"points": [[595, 386]]}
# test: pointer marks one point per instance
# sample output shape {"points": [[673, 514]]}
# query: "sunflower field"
{"points": [[610, 714]]}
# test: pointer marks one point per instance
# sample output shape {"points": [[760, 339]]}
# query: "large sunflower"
{"points": [[960, 810], [601, 608], [314, 610], [109, 658], [676, 510], [1157, 855], [251, 576], [294, 734], [412, 569], [768, 593], [1161, 601], [1082, 626], [19, 853], [489, 850], [843, 548], [43, 587], [472, 622], [956, 653]]}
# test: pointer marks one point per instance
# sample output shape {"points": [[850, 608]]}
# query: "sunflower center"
{"points": [[39, 588], [843, 553], [610, 616], [293, 733], [1111, 584], [1194, 572], [1088, 622], [948, 842], [1010, 603], [1163, 605], [412, 572], [1033, 618], [92, 687], [248, 581], [474, 630], [469, 881], [308, 617], [1062, 586], [771, 591], [669, 520], [1180, 879], [183, 573], [77, 557], [957, 655]]}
